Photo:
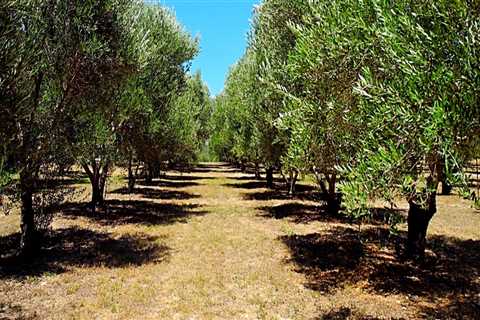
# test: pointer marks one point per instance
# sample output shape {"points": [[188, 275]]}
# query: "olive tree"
{"points": [[417, 94], [46, 47]]}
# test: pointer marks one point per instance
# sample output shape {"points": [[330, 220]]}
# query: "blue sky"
{"points": [[222, 26]]}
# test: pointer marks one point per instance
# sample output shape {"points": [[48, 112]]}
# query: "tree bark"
{"points": [[29, 241], [269, 177], [98, 177], [442, 177], [418, 219], [149, 174], [333, 199], [257, 171], [131, 176], [292, 182]]}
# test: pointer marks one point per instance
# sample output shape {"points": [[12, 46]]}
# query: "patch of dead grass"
{"points": [[234, 250]]}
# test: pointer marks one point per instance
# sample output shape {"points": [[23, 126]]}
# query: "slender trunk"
{"points": [[292, 182], [155, 170], [442, 177], [29, 243], [418, 219], [269, 177], [257, 171], [131, 176], [321, 183], [243, 167], [97, 192], [149, 174]]}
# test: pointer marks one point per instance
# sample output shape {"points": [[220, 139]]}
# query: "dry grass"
{"points": [[213, 244]]}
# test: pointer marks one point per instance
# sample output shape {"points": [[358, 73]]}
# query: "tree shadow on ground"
{"points": [[168, 184], [343, 313], [120, 212], [251, 177], [280, 188], [157, 194], [185, 178], [279, 192], [13, 311], [75, 247], [343, 256], [248, 185], [298, 212], [61, 182], [214, 167]]}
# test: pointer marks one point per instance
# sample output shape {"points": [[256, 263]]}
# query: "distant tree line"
{"points": [[379, 100]]}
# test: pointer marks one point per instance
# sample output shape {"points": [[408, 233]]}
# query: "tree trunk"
{"points": [[292, 182], [269, 177], [29, 242], [442, 177], [257, 171], [98, 177], [418, 219], [149, 174], [333, 199], [131, 176], [97, 192]]}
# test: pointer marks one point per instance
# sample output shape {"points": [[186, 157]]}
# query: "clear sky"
{"points": [[222, 26]]}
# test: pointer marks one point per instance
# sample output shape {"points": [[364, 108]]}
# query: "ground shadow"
{"points": [[298, 212], [279, 188], [184, 178], [75, 247], [251, 177], [168, 184], [248, 185], [61, 182], [157, 194], [343, 313], [12, 311], [214, 167], [344, 255], [119, 212], [282, 194]]}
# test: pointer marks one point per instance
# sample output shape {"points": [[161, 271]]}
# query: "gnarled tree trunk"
{"points": [[419, 216], [98, 177], [333, 199]]}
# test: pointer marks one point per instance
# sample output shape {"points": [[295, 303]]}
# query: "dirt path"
{"points": [[213, 244]]}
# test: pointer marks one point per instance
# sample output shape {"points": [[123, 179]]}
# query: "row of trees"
{"points": [[92, 83], [377, 99]]}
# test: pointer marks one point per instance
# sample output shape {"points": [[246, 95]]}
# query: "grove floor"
{"points": [[214, 244]]}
